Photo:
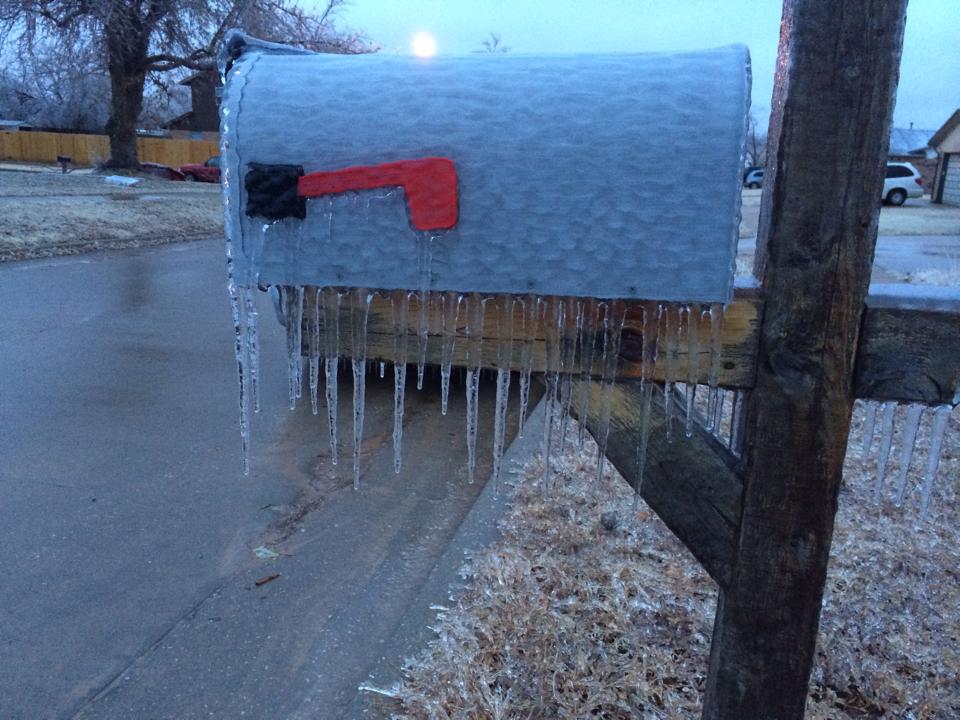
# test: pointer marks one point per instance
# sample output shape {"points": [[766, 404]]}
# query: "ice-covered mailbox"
{"points": [[561, 190]]}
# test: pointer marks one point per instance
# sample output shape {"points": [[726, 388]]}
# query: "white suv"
{"points": [[902, 181]]}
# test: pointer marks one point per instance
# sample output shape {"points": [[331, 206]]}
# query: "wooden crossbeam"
{"points": [[690, 487], [909, 346]]}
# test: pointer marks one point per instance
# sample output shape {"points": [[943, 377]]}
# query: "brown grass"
{"points": [[566, 619]]}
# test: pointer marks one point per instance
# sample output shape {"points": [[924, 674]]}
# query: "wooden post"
{"points": [[836, 82]]}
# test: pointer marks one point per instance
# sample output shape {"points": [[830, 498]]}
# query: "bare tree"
{"points": [[756, 141], [137, 39], [493, 44]]}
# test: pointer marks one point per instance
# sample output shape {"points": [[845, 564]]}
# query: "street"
{"points": [[128, 528]]}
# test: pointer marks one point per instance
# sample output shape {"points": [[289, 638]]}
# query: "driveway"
{"points": [[127, 528]]}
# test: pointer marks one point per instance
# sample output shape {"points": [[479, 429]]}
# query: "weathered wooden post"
{"points": [[837, 75]]}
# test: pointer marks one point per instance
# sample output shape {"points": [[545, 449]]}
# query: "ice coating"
{"points": [[545, 176]]}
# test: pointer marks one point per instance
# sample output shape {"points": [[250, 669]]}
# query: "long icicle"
{"points": [[242, 358], [448, 330], [869, 425], [424, 260], [941, 418], [531, 313], [613, 318], [474, 362], [553, 324], [293, 316], [651, 327], [574, 310], [252, 344], [908, 440], [588, 346], [359, 312], [400, 307], [671, 328], [716, 350], [330, 299], [886, 439], [504, 360], [313, 340], [693, 365]]}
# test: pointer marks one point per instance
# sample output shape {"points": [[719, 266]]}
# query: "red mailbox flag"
{"points": [[429, 184]]}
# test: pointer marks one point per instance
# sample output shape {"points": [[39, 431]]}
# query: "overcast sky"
{"points": [[930, 73]]}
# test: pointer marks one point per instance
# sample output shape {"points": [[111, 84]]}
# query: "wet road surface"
{"points": [[127, 528]]}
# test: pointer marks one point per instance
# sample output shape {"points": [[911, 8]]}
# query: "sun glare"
{"points": [[424, 45]]}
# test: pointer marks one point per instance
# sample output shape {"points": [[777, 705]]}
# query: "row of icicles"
{"points": [[886, 414], [581, 338]]}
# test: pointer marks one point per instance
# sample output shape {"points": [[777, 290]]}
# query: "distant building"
{"points": [[913, 146], [14, 125], [946, 143], [202, 121]]}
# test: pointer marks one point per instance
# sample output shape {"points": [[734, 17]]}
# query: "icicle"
{"points": [[610, 359], [252, 342], [531, 312], [400, 307], [504, 358], [869, 424], [553, 325], [716, 420], [448, 331], [293, 315], [693, 365], [474, 360], [314, 343], [941, 419], [651, 327], [736, 423], [671, 326], [383, 369], [716, 348], [424, 261], [331, 335], [573, 309], [886, 439], [588, 346], [359, 312], [908, 440], [242, 358]]}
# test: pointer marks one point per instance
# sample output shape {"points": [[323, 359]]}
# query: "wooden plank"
{"points": [[739, 339], [686, 483], [837, 75], [911, 348]]}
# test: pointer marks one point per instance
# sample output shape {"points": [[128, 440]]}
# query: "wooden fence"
{"points": [[44, 147]]}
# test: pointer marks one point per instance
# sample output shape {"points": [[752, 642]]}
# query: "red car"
{"points": [[208, 172]]}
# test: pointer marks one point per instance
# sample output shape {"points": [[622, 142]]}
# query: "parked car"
{"points": [[208, 172], [163, 171], [753, 178], [902, 181]]}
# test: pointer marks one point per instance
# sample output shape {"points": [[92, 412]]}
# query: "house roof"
{"points": [[940, 135], [909, 141]]}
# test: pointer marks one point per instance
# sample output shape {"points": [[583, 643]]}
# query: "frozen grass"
{"points": [[567, 618], [53, 214]]}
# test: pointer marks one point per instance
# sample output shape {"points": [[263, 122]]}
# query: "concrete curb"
{"points": [[478, 530]]}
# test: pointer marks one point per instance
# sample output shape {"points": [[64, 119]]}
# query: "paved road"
{"points": [[901, 255], [127, 528]]}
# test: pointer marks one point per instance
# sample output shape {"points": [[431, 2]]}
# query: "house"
{"points": [[946, 143], [912, 146], [14, 125], [202, 121]]}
